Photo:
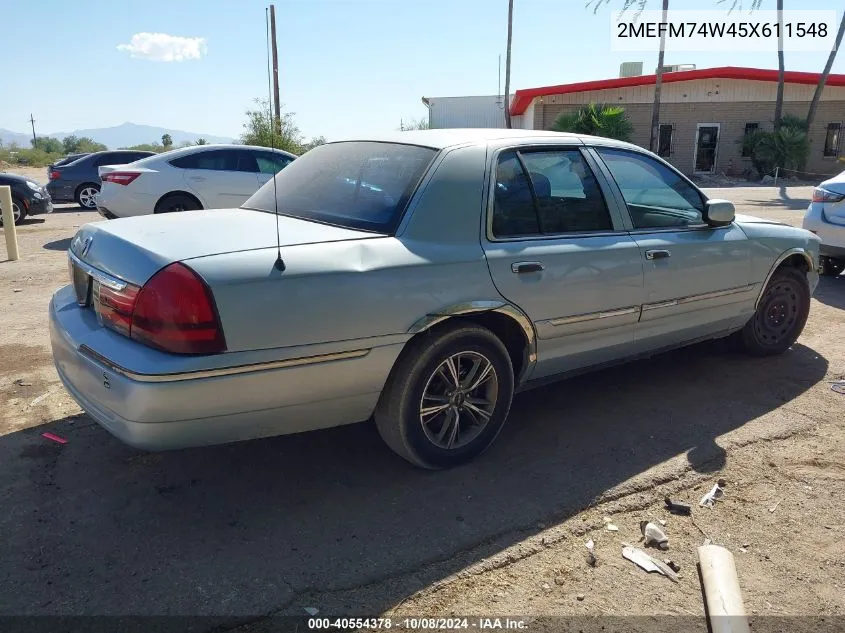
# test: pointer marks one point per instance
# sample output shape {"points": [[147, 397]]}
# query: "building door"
{"points": [[706, 143]]}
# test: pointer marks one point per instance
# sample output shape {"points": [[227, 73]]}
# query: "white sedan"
{"points": [[198, 177], [826, 218]]}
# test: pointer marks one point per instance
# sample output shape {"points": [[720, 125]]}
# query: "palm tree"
{"points": [[597, 120], [166, 140], [779, 98], [817, 95], [202, 141], [508, 67]]}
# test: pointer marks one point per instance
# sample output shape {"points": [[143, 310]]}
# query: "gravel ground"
{"points": [[332, 520]]}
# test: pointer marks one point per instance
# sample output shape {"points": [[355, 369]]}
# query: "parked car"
{"points": [[826, 218], [200, 177], [64, 161], [79, 181], [419, 278], [28, 197]]}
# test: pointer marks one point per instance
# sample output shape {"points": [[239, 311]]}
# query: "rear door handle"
{"points": [[657, 254], [526, 267]]}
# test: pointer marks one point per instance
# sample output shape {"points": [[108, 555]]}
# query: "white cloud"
{"points": [[161, 47]]}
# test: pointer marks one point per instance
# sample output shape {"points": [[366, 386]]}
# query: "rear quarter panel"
{"points": [[359, 289]]}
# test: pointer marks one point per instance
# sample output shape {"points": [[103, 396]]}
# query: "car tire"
{"points": [[832, 267], [462, 422], [18, 211], [176, 202], [86, 195], [781, 314]]}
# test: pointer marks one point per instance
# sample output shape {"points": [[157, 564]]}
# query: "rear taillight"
{"points": [[120, 177], [823, 195], [115, 307], [174, 312], [54, 175]]}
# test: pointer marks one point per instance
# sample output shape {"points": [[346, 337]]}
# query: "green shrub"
{"points": [[596, 120]]}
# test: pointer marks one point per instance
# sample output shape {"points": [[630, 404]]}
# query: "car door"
{"points": [[223, 178], [269, 164], [697, 277], [557, 247]]}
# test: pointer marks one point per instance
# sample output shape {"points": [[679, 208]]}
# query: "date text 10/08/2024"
{"points": [[417, 624]]}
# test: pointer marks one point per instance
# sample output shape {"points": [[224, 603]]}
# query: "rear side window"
{"points": [[656, 196], [547, 192], [359, 184], [269, 163], [214, 160]]}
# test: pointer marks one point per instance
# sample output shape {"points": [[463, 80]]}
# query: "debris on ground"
{"points": [[677, 508], [17, 289], [662, 522], [43, 396], [20, 382], [775, 507], [720, 584], [672, 564], [647, 563], [653, 535], [311, 611], [580, 597], [54, 437], [716, 493], [610, 527], [838, 387], [592, 561]]}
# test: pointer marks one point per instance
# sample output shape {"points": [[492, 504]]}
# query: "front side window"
{"points": [[546, 192], [269, 163], [656, 196], [358, 184], [831, 139]]}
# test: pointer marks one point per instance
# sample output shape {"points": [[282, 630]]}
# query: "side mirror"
{"points": [[719, 212]]}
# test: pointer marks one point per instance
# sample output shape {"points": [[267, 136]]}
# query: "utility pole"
{"points": [[277, 105], [34, 140], [508, 67]]}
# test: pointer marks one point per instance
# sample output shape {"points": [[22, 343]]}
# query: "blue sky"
{"points": [[346, 66]]}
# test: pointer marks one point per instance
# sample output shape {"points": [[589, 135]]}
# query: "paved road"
{"points": [[94, 527]]}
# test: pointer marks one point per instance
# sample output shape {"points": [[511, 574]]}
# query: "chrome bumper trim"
{"points": [[223, 371]]}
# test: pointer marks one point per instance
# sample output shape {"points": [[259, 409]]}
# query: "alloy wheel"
{"points": [[88, 197], [458, 400]]}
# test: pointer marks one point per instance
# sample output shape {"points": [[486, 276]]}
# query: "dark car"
{"points": [[64, 161], [28, 197], [79, 181]]}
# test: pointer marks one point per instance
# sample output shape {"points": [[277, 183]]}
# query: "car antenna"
{"points": [[280, 263]]}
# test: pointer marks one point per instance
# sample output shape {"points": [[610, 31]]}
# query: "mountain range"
{"points": [[123, 135]]}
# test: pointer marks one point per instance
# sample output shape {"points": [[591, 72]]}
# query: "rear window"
{"points": [[359, 185]]}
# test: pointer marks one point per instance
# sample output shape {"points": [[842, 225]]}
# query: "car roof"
{"points": [[8, 177], [443, 138], [182, 151]]}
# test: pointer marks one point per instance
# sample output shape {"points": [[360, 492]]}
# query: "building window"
{"points": [[664, 140], [750, 128], [831, 140]]}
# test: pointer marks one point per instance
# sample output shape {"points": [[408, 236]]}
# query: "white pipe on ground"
{"points": [[725, 608]]}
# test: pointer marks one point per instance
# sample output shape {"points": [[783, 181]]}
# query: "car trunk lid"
{"points": [[133, 249]]}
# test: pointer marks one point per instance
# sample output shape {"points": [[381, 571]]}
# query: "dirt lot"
{"points": [[332, 520]]}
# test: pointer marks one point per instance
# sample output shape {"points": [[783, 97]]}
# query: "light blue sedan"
{"points": [[419, 279]]}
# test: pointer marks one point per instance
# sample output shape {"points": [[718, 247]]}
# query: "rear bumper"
{"points": [[61, 191], [832, 236], [161, 412]]}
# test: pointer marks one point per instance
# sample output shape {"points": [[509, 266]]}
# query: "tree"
{"points": [[202, 141], [146, 147], [786, 147], [817, 95], [597, 120], [70, 143], [48, 144], [166, 141], [508, 67], [413, 124], [258, 129], [74, 145]]}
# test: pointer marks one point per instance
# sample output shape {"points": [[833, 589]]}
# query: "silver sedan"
{"points": [[419, 279]]}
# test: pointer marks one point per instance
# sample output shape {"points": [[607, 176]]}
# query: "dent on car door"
{"points": [[556, 247], [697, 277]]}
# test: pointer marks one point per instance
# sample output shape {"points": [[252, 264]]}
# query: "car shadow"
{"points": [[831, 291], [72, 207], [28, 221], [93, 526], [58, 245]]}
